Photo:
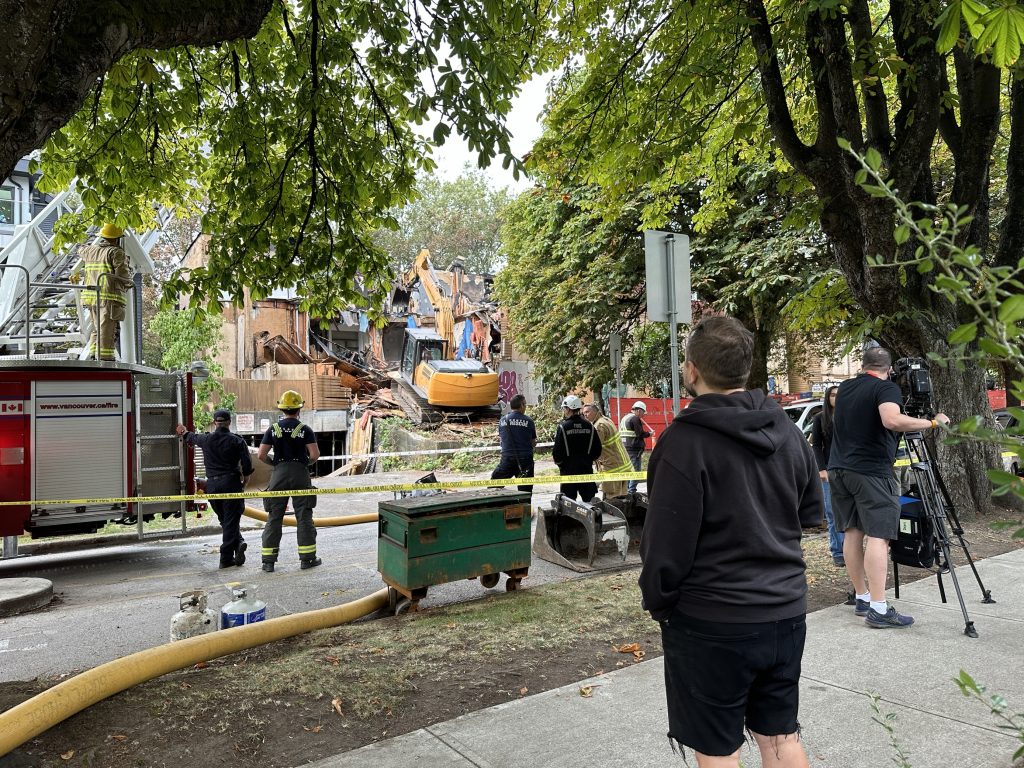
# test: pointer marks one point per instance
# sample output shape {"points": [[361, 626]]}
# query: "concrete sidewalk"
{"points": [[845, 662]]}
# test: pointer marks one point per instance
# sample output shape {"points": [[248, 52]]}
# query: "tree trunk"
{"points": [[54, 52], [759, 367]]}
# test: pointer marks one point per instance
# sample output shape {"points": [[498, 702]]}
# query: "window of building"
{"points": [[7, 205]]}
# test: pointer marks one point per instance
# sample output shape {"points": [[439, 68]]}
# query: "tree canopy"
{"points": [[575, 275], [297, 137], [457, 219], [667, 92]]}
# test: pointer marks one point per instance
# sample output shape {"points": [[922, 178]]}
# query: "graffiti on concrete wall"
{"points": [[508, 385], [516, 378]]}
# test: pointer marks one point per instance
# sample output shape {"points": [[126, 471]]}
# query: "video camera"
{"points": [[915, 382]]}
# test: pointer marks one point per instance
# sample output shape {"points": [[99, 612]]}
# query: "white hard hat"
{"points": [[639, 404], [572, 402]]}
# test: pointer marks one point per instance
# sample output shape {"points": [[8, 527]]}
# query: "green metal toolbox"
{"points": [[427, 540]]}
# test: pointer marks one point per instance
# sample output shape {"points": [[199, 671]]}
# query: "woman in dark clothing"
{"points": [[821, 439]]}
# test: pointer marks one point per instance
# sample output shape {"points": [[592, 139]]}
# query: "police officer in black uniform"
{"points": [[228, 467], [577, 446], [518, 435], [295, 449]]}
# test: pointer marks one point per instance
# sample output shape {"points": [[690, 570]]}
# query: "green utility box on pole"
{"points": [[427, 540]]}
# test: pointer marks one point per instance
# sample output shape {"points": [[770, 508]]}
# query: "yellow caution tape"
{"points": [[484, 483], [908, 462]]}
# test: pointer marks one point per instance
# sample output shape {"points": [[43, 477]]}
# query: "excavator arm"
{"points": [[422, 271]]}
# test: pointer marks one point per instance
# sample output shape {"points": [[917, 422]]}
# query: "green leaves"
{"points": [[1002, 32], [1011, 310], [999, 30], [296, 145]]}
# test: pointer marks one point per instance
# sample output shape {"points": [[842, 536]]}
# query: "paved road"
{"points": [[119, 599]]}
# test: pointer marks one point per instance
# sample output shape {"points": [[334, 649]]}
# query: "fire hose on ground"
{"points": [[42, 712], [319, 522]]}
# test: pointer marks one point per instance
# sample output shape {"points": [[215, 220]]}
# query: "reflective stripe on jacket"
{"points": [[105, 259], [613, 456]]}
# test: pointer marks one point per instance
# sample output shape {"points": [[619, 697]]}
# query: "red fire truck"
{"points": [[77, 433], [85, 431]]}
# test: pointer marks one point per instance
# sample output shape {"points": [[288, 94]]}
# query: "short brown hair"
{"points": [[876, 359], [722, 349]]}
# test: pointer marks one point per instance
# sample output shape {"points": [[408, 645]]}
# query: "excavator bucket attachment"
{"points": [[633, 507], [581, 536]]}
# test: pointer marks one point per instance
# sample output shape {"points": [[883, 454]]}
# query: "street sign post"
{"points": [[667, 261], [615, 349]]}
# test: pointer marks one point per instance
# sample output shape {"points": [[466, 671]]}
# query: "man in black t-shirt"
{"points": [[228, 467], [518, 436], [865, 494]]}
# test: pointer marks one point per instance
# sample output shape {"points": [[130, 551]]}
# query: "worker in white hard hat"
{"points": [[577, 446], [295, 450], [634, 432], [108, 278]]}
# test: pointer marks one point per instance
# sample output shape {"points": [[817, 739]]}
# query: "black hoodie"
{"points": [[731, 483]]}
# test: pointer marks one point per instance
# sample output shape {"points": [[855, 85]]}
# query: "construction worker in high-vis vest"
{"points": [[613, 456], [108, 277], [295, 449]]}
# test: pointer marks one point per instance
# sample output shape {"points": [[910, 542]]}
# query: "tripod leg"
{"points": [[957, 529], [896, 578], [937, 505]]}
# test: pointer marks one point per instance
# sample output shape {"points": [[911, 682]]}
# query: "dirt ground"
{"points": [[331, 691]]}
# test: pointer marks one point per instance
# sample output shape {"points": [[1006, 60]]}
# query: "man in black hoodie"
{"points": [[731, 483]]}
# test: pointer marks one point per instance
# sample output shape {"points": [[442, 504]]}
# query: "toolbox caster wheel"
{"points": [[405, 604], [511, 585], [490, 580], [393, 597]]}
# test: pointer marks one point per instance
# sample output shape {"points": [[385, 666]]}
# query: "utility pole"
{"points": [[668, 287]]}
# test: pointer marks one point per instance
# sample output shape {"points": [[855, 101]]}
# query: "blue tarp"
{"points": [[466, 342], [410, 322]]}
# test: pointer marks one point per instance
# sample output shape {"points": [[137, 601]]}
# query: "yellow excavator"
{"points": [[431, 385]]}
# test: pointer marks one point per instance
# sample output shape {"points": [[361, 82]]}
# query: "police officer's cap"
{"points": [[222, 414]]}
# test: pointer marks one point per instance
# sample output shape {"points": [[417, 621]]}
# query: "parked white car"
{"points": [[802, 412]]}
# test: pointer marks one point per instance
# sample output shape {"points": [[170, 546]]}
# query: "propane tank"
{"points": [[193, 617], [244, 607]]}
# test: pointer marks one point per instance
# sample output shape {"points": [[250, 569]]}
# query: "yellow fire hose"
{"points": [[319, 522], [38, 714]]}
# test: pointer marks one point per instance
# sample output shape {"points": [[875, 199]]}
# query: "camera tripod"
{"points": [[938, 510]]}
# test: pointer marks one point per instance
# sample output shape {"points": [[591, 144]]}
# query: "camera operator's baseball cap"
{"points": [[222, 414]]}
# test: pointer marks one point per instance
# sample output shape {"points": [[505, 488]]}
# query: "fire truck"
{"points": [[79, 435]]}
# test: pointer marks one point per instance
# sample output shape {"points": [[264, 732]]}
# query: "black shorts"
{"points": [[722, 678], [865, 502]]}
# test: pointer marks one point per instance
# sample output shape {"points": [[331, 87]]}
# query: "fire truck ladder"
{"points": [[155, 436], [41, 311]]}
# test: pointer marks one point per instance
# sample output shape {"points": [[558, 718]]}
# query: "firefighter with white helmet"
{"points": [[295, 449], [634, 432], [576, 448], [108, 277]]}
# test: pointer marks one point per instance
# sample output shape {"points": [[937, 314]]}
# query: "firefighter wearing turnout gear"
{"points": [[295, 449], [613, 456], [576, 448], [106, 268]]}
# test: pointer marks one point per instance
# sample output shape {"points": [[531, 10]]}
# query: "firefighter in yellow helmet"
{"points": [[295, 449], [108, 277]]}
